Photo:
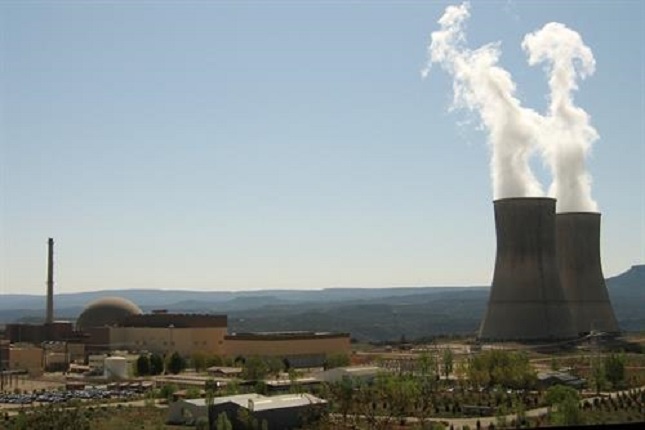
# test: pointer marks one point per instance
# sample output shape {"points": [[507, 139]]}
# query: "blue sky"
{"points": [[252, 145]]}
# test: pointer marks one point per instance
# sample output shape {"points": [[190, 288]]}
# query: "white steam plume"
{"points": [[567, 136], [482, 86]]}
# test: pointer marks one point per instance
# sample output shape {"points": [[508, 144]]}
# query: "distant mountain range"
{"points": [[371, 314]]}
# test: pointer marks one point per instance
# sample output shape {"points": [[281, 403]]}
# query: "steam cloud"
{"points": [[563, 137], [567, 135]]}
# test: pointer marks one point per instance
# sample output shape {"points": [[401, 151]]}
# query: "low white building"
{"points": [[362, 373]]}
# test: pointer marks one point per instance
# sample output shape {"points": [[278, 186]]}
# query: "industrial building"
{"points": [[163, 332]]}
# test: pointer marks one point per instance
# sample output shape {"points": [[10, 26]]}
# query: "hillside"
{"points": [[368, 314], [627, 293]]}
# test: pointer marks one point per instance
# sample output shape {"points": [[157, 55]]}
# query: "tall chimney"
{"points": [[526, 299], [578, 242], [49, 318]]}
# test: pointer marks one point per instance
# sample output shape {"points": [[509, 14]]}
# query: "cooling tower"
{"points": [[49, 317], [526, 300], [578, 256]]}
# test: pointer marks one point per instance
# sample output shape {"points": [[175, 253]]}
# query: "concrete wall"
{"points": [[186, 341], [76, 351], [164, 319], [38, 333], [263, 345], [56, 361], [4, 354], [29, 358]]}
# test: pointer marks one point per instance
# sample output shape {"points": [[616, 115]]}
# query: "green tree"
{"points": [[598, 376], [192, 393], [343, 395], [143, 365], [614, 365], [505, 368], [167, 391], [198, 359], [336, 360], [214, 360], [427, 365], [274, 366], [447, 361], [223, 422], [232, 387], [176, 363], [156, 364], [261, 387], [401, 392], [255, 368], [555, 364], [565, 402]]}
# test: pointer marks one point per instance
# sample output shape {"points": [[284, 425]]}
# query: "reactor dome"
{"points": [[106, 311]]}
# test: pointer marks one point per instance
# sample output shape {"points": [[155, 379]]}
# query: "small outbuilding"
{"points": [[355, 373], [549, 379], [224, 371]]}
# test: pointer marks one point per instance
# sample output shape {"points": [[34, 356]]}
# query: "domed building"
{"points": [[114, 323], [106, 311]]}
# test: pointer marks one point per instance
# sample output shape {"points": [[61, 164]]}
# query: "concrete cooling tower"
{"points": [[578, 256], [526, 298]]}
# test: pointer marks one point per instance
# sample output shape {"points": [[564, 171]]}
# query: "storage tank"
{"points": [[526, 299], [115, 368], [580, 268]]}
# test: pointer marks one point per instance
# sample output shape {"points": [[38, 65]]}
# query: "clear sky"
{"points": [[281, 144]]}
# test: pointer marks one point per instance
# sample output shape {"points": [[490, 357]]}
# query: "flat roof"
{"points": [[280, 335], [262, 403], [225, 369], [286, 401], [287, 382]]}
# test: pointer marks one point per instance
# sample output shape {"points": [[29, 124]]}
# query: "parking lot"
{"points": [[57, 396]]}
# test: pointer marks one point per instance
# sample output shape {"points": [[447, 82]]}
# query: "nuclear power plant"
{"points": [[548, 281], [578, 255]]}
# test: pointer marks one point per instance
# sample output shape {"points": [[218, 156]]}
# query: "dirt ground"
{"points": [[29, 384]]}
